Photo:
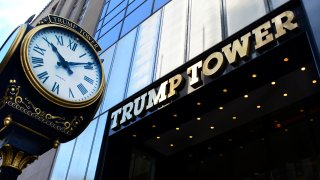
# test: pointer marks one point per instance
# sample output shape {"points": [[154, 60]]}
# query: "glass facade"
{"points": [[143, 40]]}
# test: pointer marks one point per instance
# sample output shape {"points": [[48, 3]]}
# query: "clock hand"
{"points": [[62, 61], [80, 63]]}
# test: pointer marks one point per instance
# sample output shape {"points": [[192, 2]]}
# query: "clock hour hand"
{"points": [[62, 62], [80, 63]]}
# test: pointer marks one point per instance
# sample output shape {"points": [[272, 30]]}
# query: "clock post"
{"points": [[52, 83]]}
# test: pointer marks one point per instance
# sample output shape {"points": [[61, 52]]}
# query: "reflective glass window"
{"points": [[113, 22], [62, 161], [113, 4], [115, 12], [277, 3], [96, 35], [97, 141], [99, 24], [173, 37], [144, 57], [158, 4], [111, 37], [108, 58], [81, 153], [136, 17], [105, 7], [242, 13], [205, 28], [134, 5], [119, 70]]}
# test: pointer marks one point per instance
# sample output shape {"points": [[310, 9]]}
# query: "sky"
{"points": [[16, 12]]}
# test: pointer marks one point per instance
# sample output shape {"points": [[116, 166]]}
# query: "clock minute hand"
{"points": [[80, 63]]}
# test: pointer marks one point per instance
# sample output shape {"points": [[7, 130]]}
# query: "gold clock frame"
{"points": [[22, 29], [26, 66]]}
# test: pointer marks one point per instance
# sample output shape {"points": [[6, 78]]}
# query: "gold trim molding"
{"points": [[17, 160]]}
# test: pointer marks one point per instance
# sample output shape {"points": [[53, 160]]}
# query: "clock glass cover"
{"points": [[63, 66]]}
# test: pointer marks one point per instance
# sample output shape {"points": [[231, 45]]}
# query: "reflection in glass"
{"points": [[158, 4], [242, 13], [97, 141], [205, 26], [104, 10], [134, 5], [111, 37], [113, 22], [80, 155], [62, 161], [144, 58], [113, 4], [277, 3], [173, 37], [119, 70], [115, 12], [136, 17]]}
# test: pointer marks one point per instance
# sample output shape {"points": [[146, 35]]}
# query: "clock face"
{"points": [[64, 67]]}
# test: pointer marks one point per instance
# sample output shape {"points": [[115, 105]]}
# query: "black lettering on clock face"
{"points": [[55, 88], [36, 62], [70, 93], [72, 45], [59, 40], [43, 76], [39, 49]]}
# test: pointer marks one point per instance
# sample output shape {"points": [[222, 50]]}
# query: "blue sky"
{"points": [[16, 12]]}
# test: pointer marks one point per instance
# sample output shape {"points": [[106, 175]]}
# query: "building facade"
{"points": [[199, 89]]}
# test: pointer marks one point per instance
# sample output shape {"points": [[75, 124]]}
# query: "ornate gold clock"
{"points": [[62, 66]]}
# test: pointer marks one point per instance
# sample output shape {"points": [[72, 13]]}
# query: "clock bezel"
{"points": [[26, 66], [21, 30]]}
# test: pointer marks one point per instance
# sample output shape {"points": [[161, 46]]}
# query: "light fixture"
{"points": [[258, 106], [177, 128], [254, 75], [285, 94], [225, 90], [286, 130], [209, 147], [286, 59], [278, 125], [211, 127], [153, 126], [273, 83], [221, 108], [314, 81], [301, 110], [234, 117], [303, 68], [171, 145], [198, 103], [246, 96], [134, 135], [190, 137], [175, 115], [198, 118], [158, 137]]}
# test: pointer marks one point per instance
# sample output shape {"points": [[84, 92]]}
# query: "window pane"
{"points": [[143, 63], [97, 141], [205, 26], [97, 35], [113, 4], [111, 37], [113, 22], [242, 13], [173, 37], [107, 56], [158, 4], [115, 12], [134, 5], [104, 11], [136, 17], [99, 25], [277, 3], [81, 152], [119, 70], [60, 167]]}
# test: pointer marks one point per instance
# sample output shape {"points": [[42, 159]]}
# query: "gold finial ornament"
{"points": [[7, 121], [56, 144]]}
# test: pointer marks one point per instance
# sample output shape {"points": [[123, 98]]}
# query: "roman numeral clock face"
{"points": [[64, 67]]}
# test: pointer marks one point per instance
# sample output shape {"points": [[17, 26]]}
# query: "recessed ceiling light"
{"points": [[221, 108], [234, 117], [158, 137], [258, 106], [314, 81], [190, 137], [198, 103], [273, 83], [303, 68], [225, 90], [301, 110], [286, 59], [211, 127], [254, 75], [246, 96], [285, 94], [198, 118], [171, 145], [175, 115], [134, 135], [177, 128], [153, 126]]}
